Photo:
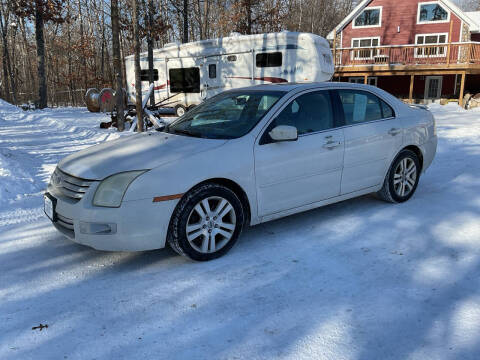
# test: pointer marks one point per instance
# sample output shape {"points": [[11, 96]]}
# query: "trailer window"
{"points": [[144, 75], [269, 59], [212, 71], [184, 80], [232, 57]]}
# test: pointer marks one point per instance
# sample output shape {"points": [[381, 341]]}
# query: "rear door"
{"points": [[291, 174], [373, 135]]}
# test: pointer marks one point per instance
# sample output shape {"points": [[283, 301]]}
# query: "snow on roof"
{"points": [[475, 16]]}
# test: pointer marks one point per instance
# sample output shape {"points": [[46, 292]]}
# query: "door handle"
{"points": [[331, 144], [394, 131]]}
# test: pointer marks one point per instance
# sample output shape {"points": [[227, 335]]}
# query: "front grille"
{"points": [[65, 226], [65, 222], [70, 186]]}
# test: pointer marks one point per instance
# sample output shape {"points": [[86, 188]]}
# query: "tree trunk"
{"points": [[138, 82], [206, 8], [150, 50], [102, 65], [42, 79], [69, 58], [249, 16], [82, 40], [117, 65], [185, 21], [8, 72], [6, 87]]}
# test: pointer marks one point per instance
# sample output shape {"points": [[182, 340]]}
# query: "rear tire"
{"points": [[402, 178], [206, 222], [180, 110]]}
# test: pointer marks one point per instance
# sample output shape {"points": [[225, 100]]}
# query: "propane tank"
{"points": [[92, 99], [107, 100]]}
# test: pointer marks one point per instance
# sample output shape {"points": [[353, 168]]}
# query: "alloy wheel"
{"points": [[404, 177], [211, 224]]}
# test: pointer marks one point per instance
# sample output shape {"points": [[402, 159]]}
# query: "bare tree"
{"points": [[185, 21], [149, 25], [138, 80], [117, 64], [42, 11], [7, 68]]}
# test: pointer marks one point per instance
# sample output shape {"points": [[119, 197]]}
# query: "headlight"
{"points": [[111, 190]]}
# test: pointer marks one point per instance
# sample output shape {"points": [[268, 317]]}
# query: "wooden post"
{"points": [[335, 47], [410, 93], [462, 88], [365, 79], [449, 42]]}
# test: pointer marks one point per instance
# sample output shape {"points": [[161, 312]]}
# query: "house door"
{"points": [[433, 87]]}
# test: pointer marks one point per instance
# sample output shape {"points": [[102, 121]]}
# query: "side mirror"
{"points": [[284, 133]]}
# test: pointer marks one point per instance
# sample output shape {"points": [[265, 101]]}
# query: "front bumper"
{"points": [[138, 225]]}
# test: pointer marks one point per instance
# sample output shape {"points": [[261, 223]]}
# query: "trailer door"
{"points": [[211, 77]]}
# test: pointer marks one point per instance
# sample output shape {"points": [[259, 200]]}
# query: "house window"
{"points": [[269, 59], [432, 12], [184, 80], [431, 39], [144, 75], [371, 80], [370, 17], [368, 44]]}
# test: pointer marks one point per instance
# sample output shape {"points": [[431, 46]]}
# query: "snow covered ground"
{"points": [[361, 279]]}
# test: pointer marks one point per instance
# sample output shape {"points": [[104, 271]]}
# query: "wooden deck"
{"points": [[452, 58], [409, 59]]}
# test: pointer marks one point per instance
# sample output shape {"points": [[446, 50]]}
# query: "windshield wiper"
{"points": [[187, 132]]}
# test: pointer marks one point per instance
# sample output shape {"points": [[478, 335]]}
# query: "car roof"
{"points": [[291, 86]]}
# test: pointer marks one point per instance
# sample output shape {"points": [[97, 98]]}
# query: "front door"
{"points": [[373, 135], [295, 173], [433, 87]]}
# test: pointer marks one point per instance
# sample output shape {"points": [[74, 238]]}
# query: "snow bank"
{"points": [[32, 143], [361, 279]]}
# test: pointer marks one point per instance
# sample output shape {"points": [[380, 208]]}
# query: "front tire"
{"points": [[402, 178], [206, 222]]}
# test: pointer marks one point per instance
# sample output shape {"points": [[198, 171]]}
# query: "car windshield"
{"points": [[226, 116]]}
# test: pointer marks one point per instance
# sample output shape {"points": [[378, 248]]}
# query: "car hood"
{"points": [[135, 152]]}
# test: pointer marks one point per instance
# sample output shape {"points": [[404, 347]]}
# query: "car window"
{"points": [[387, 110], [308, 113], [359, 106], [228, 115]]}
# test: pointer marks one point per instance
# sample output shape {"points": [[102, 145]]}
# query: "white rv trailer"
{"points": [[187, 74]]}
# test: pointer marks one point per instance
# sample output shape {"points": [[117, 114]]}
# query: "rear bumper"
{"points": [[429, 150], [137, 225]]}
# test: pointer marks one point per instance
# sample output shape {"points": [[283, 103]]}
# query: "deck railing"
{"points": [[435, 54]]}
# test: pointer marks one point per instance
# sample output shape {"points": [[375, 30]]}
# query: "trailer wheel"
{"points": [[180, 110]]}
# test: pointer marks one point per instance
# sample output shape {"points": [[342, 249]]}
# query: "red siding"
{"points": [[404, 14]]}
